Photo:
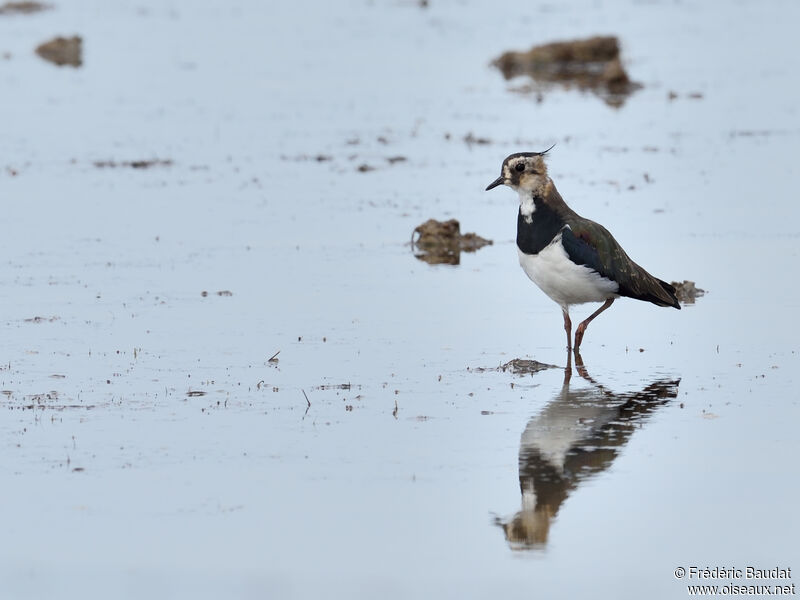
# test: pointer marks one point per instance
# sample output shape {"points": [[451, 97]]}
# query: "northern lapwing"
{"points": [[576, 436], [573, 260]]}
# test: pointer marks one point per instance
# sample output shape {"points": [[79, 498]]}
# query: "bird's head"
{"points": [[523, 172]]}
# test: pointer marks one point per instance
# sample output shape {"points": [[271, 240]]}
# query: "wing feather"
{"points": [[590, 244]]}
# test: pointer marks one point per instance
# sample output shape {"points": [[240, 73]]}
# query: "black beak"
{"points": [[495, 183]]}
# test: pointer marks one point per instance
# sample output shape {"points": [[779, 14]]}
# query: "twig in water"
{"points": [[307, 407], [273, 358]]}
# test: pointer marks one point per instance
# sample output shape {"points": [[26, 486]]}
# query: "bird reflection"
{"points": [[576, 436]]}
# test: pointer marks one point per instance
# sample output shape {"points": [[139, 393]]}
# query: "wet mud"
{"points": [[38, 319], [62, 51], [361, 167], [23, 8], [518, 366], [687, 292], [133, 164], [441, 242], [592, 64], [471, 139], [224, 293]]}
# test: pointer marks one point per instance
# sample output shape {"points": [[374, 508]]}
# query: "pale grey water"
{"points": [[119, 484]]}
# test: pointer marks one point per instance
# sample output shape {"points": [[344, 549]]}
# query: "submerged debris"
{"points": [[591, 64], [441, 242], [518, 366], [305, 157], [471, 139], [38, 319], [523, 366], [133, 164], [204, 293], [62, 51], [23, 8], [687, 292], [337, 386]]}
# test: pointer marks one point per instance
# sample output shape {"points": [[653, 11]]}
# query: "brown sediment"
{"points": [[592, 64], [518, 366], [687, 292], [337, 386], [133, 164], [305, 157], [441, 242], [23, 8], [523, 366], [38, 319], [62, 51], [471, 139]]}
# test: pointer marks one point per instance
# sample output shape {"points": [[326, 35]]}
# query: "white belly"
{"points": [[564, 281]]}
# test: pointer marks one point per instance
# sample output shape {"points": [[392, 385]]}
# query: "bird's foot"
{"points": [[568, 368], [579, 336], [578, 359]]}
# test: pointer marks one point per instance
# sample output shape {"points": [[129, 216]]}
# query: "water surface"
{"points": [[149, 446]]}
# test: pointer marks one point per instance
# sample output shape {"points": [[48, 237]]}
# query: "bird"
{"points": [[573, 260]]}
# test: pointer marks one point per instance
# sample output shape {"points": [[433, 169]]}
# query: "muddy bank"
{"points": [[592, 64], [62, 51], [687, 292], [441, 242], [518, 366], [23, 8], [133, 164]]}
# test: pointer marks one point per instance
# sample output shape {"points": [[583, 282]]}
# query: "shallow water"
{"points": [[149, 446]]}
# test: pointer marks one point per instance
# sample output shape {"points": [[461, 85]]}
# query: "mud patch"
{"points": [[687, 292], [441, 242], [470, 139], [337, 386], [223, 293], [51, 400], [591, 64], [38, 319], [62, 51], [518, 366], [306, 157], [133, 164], [23, 8]]}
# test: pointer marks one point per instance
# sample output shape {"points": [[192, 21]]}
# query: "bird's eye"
{"points": [[520, 167]]}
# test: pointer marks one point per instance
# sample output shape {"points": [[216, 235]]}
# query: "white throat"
{"points": [[526, 205]]}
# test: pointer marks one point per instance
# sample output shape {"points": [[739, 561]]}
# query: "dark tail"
{"points": [[667, 296], [653, 290]]}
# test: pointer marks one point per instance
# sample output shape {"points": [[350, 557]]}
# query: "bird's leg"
{"points": [[567, 327], [581, 368], [582, 327], [579, 365], [568, 368]]}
